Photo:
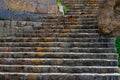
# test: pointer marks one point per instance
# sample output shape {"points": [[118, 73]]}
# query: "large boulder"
{"points": [[109, 18]]}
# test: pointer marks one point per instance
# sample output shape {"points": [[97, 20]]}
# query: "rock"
{"points": [[2, 4], [20, 5], [22, 16], [41, 9], [37, 6], [109, 18], [53, 9]]}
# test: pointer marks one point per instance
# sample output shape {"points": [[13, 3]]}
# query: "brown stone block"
{"points": [[53, 9], [15, 4], [41, 9], [29, 7], [20, 5]]}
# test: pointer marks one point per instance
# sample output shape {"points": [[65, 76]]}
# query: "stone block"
{"points": [[14, 4], [37, 6], [2, 4], [20, 5], [29, 7], [43, 2], [22, 16], [41, 9], [53, 9], [47, 2], [1, 23]]}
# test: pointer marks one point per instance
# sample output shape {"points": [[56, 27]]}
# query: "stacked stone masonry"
{"points": [[58, 47], [37, 6]]}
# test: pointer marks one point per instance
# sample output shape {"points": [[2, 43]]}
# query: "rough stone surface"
{"points": [[9, 28], [109, 18], [21, 16], [29, 5], [20, 5], [2, 4]]}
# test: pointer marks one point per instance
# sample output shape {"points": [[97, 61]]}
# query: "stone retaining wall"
{"points": [[10, 28], [37, 6]]}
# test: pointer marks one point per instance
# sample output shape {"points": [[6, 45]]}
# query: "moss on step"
{"points": [[58, 2]]}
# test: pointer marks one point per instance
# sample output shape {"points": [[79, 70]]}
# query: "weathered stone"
{"points": [[20, 5], [2, 4], [53, 9], [21, 16], [41, 8], [1, 23], [109, 18], [47, 2], [37, 6]]}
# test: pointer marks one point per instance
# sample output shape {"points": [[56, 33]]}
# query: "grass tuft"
{"points": [[58, 2]]}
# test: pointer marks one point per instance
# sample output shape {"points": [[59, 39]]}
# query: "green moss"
{"points": [[118, 48]]}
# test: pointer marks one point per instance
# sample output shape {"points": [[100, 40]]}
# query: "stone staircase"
{"points": [[67, 47]]}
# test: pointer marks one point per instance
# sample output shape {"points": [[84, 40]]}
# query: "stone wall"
{"points": [[2, 4], [10, 28], [37, 6], [109, 18]]}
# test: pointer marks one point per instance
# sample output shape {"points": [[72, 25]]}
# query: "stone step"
{"points": [[79, 5], [57, 69], [59, 44], [61, 55], [53, 39], [81, 2], [67, 19], [59, 17], [88, 11], [59, 76], [83, 8], [69, 23], [80, 13], [62, 31], [57, 49], [58, 62], [72, 35], [82, 17], [59, 26]]}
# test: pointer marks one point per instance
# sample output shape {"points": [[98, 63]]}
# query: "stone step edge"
{"points": [[49, 59], [58, 48], [48, 66], [72, 74], [59, 53], [109, 43], [2, 38]]}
